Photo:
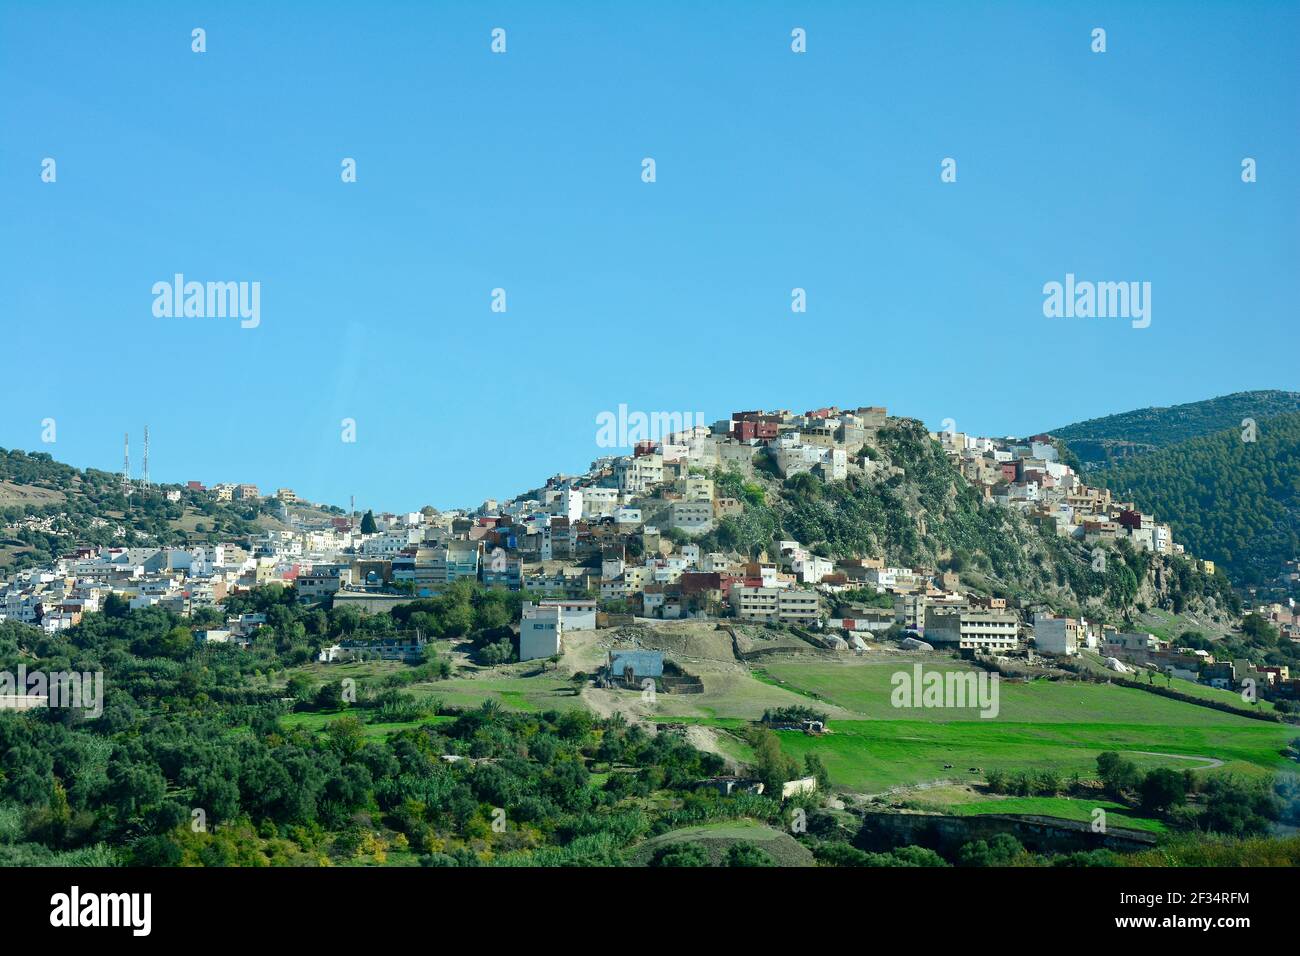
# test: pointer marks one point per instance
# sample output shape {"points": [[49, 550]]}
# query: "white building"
{"points": [[811, 568], [989, 631], [1057, 635], [569, 503], [541, 631], [579, 615]]}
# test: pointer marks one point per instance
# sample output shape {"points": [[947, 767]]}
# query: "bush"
{"points": [[1002, 850], [681, 854], [747, 854], [502, 652]]}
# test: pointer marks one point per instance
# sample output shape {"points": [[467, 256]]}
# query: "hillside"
{"points": [[1233, 501], [918, 510], [1100, 442], [46, 507]]}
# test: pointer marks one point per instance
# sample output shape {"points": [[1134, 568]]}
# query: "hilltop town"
{"points": [[652, 535]]}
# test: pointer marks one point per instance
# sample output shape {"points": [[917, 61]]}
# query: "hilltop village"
{"points": [[636, 536]]}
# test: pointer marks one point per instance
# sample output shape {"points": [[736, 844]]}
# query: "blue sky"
{"points": [[523, 171]]}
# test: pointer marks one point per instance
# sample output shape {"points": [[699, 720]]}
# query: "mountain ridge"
{"points": [[1100, 442]]}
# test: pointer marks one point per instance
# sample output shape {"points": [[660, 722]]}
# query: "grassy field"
{"points": [[874, 747], [734, 695], [321, 720], [532, 694], [515, 687], [359, 671], [1230, 697], [874, 755], [1040, 725], [1063, 808], [865, 689]]}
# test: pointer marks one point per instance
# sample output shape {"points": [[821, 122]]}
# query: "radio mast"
{"points": [[126, 463], [144, 477]]}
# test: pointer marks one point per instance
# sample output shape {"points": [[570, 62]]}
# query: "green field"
{"points": [[865, 689], [873, 746], [1192, 689], [531, 694], [874, 755], [1064, 808], [1040, 725], [321, 720], [528, 694]]}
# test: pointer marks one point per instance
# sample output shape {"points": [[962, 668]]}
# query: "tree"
{"points": [[458, 620], [1122, 585], [176, 643], [116, 606], [915, 856], [1236, 807], [301, 688], [681, 854], [1002, 850], [747, 854], [368, 525], [1118, 775], [502, 652], [1161, 789], [1259, 631], [491, 615], [773, 767], [814, 767], [1048, 782], [330, 696]]}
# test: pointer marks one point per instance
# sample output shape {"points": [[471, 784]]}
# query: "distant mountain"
{"points": [[1234, 501], [1101, 442]]}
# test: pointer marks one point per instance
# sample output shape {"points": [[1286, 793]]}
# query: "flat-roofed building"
{"points": [[541, 631], [992, 631], [1057, 635]]}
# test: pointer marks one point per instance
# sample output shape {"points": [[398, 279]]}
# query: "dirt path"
{"points": [[1210, 762]]}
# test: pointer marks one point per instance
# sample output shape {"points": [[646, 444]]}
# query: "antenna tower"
{"points": [[144, 478]]}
